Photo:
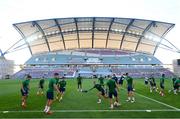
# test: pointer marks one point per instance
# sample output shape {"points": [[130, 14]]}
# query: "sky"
{"points": [[15, 11]]}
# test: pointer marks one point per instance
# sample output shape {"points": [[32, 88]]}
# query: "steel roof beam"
{"points": [[24, 37], [93, 27], [62, 36], [128, 26], [157, 45], [112, 21], [41, 30], [75, 20], [143, 33]]}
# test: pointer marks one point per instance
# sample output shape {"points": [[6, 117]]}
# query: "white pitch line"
{"points": [[158, 102], [31, 111]]}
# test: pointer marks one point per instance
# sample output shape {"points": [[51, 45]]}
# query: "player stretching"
{"points": [[101, 92], [152, 84], [62, 88], [101, 81], [130, 88], [112, 85], [50, 93], [79, 82], [41, 86], [24, 90], [162, 85]]}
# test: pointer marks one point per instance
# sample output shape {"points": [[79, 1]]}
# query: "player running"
{"points": [[62, 88], [101, 80], [101, 92], [130, 88], [25, 90], [50, 93], [79, 82], [162, 85], [41, 86], [112, 86]]}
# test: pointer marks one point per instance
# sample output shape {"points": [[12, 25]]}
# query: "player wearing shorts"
{"points": [[112, 86], [79, 82], [176, 86], [130, 88], [101, 91], [25, 90], [50, 93]]}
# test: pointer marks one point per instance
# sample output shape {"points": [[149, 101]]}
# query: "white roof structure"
{"points": [[126, 34]]}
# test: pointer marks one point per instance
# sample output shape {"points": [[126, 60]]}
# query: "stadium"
{"points": [[93, 47]]}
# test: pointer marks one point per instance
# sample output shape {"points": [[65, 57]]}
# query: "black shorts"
{"points": [[176, 87], [102, 92], [129, 88], [113, 93], [25, 92], [50, 95], [62, 90], [146, 82]]}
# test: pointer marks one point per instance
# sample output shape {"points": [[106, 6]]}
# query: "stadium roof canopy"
{"points": [[125, 34]]}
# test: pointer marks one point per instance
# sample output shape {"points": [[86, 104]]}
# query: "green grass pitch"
{"points": [[84, 105]]}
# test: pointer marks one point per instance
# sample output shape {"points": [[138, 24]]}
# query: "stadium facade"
{"points": [[93, 46]]}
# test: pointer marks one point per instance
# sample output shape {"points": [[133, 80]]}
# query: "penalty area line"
{"points": [[32, 111]]}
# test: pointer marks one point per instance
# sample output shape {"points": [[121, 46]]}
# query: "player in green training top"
{"points": [[101, 80], [176, 86], [101, 90], [130, 86], [112, 86], [41, 86], [25, 90], [50, 93], [62, 88], [162, 85], [79, 82]]}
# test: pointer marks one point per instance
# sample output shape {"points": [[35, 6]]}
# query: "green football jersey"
{"points": [[62, 84], [111, 85], [129, 80], [98, 87], [51, 85], [25, 83], [177, 82]]}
